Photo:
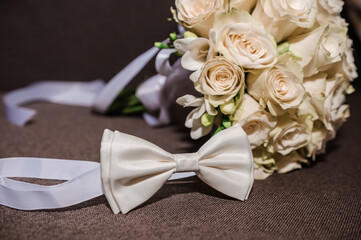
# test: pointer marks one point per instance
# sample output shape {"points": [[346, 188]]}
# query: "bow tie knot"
{"points": [[186, 162]]}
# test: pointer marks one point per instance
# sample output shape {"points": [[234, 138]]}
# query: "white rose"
{"points": [[244, 42], [290, 162], [316, 87], [329, 12], [335, 113], [340, 115], [331, 6], [281, 17], [320, 48], [320, 136], [197, 16], [256, 123], [279, 86], [219, 80], [246, 5], [264, 163], [290, 135], [347, 65], [257, 127], [193, 119]]}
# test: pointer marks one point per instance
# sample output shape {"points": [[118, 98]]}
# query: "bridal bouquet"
{"points": [[279, 68]]}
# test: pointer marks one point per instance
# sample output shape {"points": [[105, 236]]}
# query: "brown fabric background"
{"points": [[84, 40], [317, 202]]}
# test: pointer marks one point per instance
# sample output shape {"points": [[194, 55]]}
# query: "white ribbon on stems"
{"points": [[96, 94]]}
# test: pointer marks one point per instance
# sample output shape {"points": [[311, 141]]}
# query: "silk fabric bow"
{"points": [[133, 169]]}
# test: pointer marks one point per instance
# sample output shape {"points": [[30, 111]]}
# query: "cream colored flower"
{"points": [[193, 119], [246, 107], [246, 5], [264, 163], [331, 6], [197, 15], [320, 48], [347, 65], [257, 127], [335, 113], [256, 123], [195, 52], [316, 87], [290, 135], [290, 162], [282, 17], [244, 42], [218, 80], [329, 12], [320, 136], [279, 86]]}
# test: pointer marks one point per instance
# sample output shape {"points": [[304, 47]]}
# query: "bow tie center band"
{"points": [[131, 171]]}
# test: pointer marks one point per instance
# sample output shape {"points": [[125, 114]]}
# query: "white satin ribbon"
{"points": [[83, 182], [99, 96], [131, 171], [105, 98], [71, 93], [152, 95]]}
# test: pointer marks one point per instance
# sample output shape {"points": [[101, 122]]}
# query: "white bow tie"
{"points": [[131, 171]]}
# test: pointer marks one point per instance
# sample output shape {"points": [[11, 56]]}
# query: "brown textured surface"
{"points": [[321, 201], [84, 40]]}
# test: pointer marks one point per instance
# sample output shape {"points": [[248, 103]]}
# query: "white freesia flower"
{"points": [[282, 17], [244, 42], [197, 16], [248, 106], [320, 48], [218, 80], [290, 135], [195, 52], [279, 86], [256, 123], [193, 119]]}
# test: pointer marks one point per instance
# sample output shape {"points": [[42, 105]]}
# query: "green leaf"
{"points": [[132, 110], [220, 128], [161, 45], [283, 48], [173, 36], [125, 103], [226, 122]]}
